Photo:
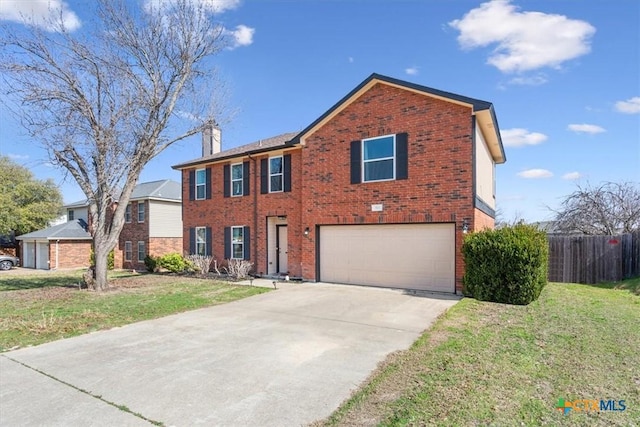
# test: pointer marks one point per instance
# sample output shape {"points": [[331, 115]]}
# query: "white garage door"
{"points": [[407, 256]]}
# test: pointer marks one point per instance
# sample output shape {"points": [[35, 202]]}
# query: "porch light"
{"points": [[306, 232], [465, 226]]}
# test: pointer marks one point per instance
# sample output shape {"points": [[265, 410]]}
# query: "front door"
{"points": [[282, 249]]}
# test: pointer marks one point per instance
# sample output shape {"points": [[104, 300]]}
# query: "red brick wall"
{"points": [[133, 232], [164, 245], [482, 221], [439, 188], [220, 212], [71, 253]]}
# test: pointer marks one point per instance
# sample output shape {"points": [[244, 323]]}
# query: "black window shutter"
{"points": [[356, 157], [208, 250], [207, 187], [227, 243], [226, 180], [245, 179], [247, 243], [286, 159], [192, 240], [192, 185], [264, 176], [402, 156]]}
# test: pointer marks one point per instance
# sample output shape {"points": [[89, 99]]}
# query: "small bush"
{"points": [[173, 262], [507, 265], [110, 259], [238, 268], [151, 263], [200, 263]]}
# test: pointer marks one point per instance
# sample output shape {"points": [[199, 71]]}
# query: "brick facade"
{"points": [[70, 253], [439, 188]]}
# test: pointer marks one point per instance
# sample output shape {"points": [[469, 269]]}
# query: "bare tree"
{"points": [[105, 102], [609, 208]]}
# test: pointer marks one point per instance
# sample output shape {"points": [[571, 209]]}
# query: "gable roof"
{"points": [[164, 189], [483, 110], [72, 230], [260, 146]]}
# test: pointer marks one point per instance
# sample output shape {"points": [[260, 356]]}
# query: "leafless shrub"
{"points": [[201, 263], [238, 268]]}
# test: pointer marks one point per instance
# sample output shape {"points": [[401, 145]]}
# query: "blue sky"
{"points": [[564, 78]]}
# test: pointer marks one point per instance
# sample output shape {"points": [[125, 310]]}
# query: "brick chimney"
{"points": [[211, 139]]}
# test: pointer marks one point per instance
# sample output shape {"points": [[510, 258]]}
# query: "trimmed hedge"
{"points": [[508, 265], [173, 262], [110, 259]]}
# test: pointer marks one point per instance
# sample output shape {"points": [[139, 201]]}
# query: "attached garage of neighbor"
{"points": [[406, 256]]}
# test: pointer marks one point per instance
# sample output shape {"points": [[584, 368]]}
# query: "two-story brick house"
{"points": [[379, 190], [153, 225]]}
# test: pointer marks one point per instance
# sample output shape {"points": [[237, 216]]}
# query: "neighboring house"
{"points": [[153, 226], [379, 190]]}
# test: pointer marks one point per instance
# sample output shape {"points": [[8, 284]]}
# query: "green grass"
{"points": [[487, 364], [52, 309], [10, 281]]}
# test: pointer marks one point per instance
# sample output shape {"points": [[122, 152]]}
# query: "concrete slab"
{"points": [[287, 357]]}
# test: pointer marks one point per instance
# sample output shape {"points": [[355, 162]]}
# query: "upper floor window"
{"points": [[141, 209], [127, 213], [70, 215], [378, 158], [237, 179], [275, 174], [381, 158], [201, 184]]}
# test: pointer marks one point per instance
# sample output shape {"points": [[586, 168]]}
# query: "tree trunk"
{"points": [[101, 252]]}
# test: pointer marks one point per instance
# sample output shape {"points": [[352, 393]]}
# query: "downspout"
{"points": [[255, 210]]}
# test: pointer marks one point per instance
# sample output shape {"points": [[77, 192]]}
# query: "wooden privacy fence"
{"points": [[593, 259]]}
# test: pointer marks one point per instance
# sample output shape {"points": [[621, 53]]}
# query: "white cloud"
{"points": [[630, 106], [536, 80], [586, 128], [572, 176], [524, 40], [18, 156], [412, 71], [535, 173], [45, 14], [518, 137], [211, 6], [241, 36]]}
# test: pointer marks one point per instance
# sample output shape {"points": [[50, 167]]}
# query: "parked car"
{"points": [[8, 261]]}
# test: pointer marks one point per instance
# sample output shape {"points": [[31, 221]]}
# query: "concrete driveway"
{"points": [[284, 358]]}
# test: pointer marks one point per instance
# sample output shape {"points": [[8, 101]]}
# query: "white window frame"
{"points": [[128, 250], [281, 174], [127, 214], [144, 251], [241, 179], [237, 242], [203, 184], [202, 242], [392, 158], [70, 215], [143, 211]]}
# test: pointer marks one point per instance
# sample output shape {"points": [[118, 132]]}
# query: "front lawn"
{"points": [[50, 306], [501, 365]]}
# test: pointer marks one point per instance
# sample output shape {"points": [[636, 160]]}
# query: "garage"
{"points": [[406, 256]]}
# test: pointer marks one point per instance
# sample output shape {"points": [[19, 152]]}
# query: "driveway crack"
{"points": [[123, 408]]}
